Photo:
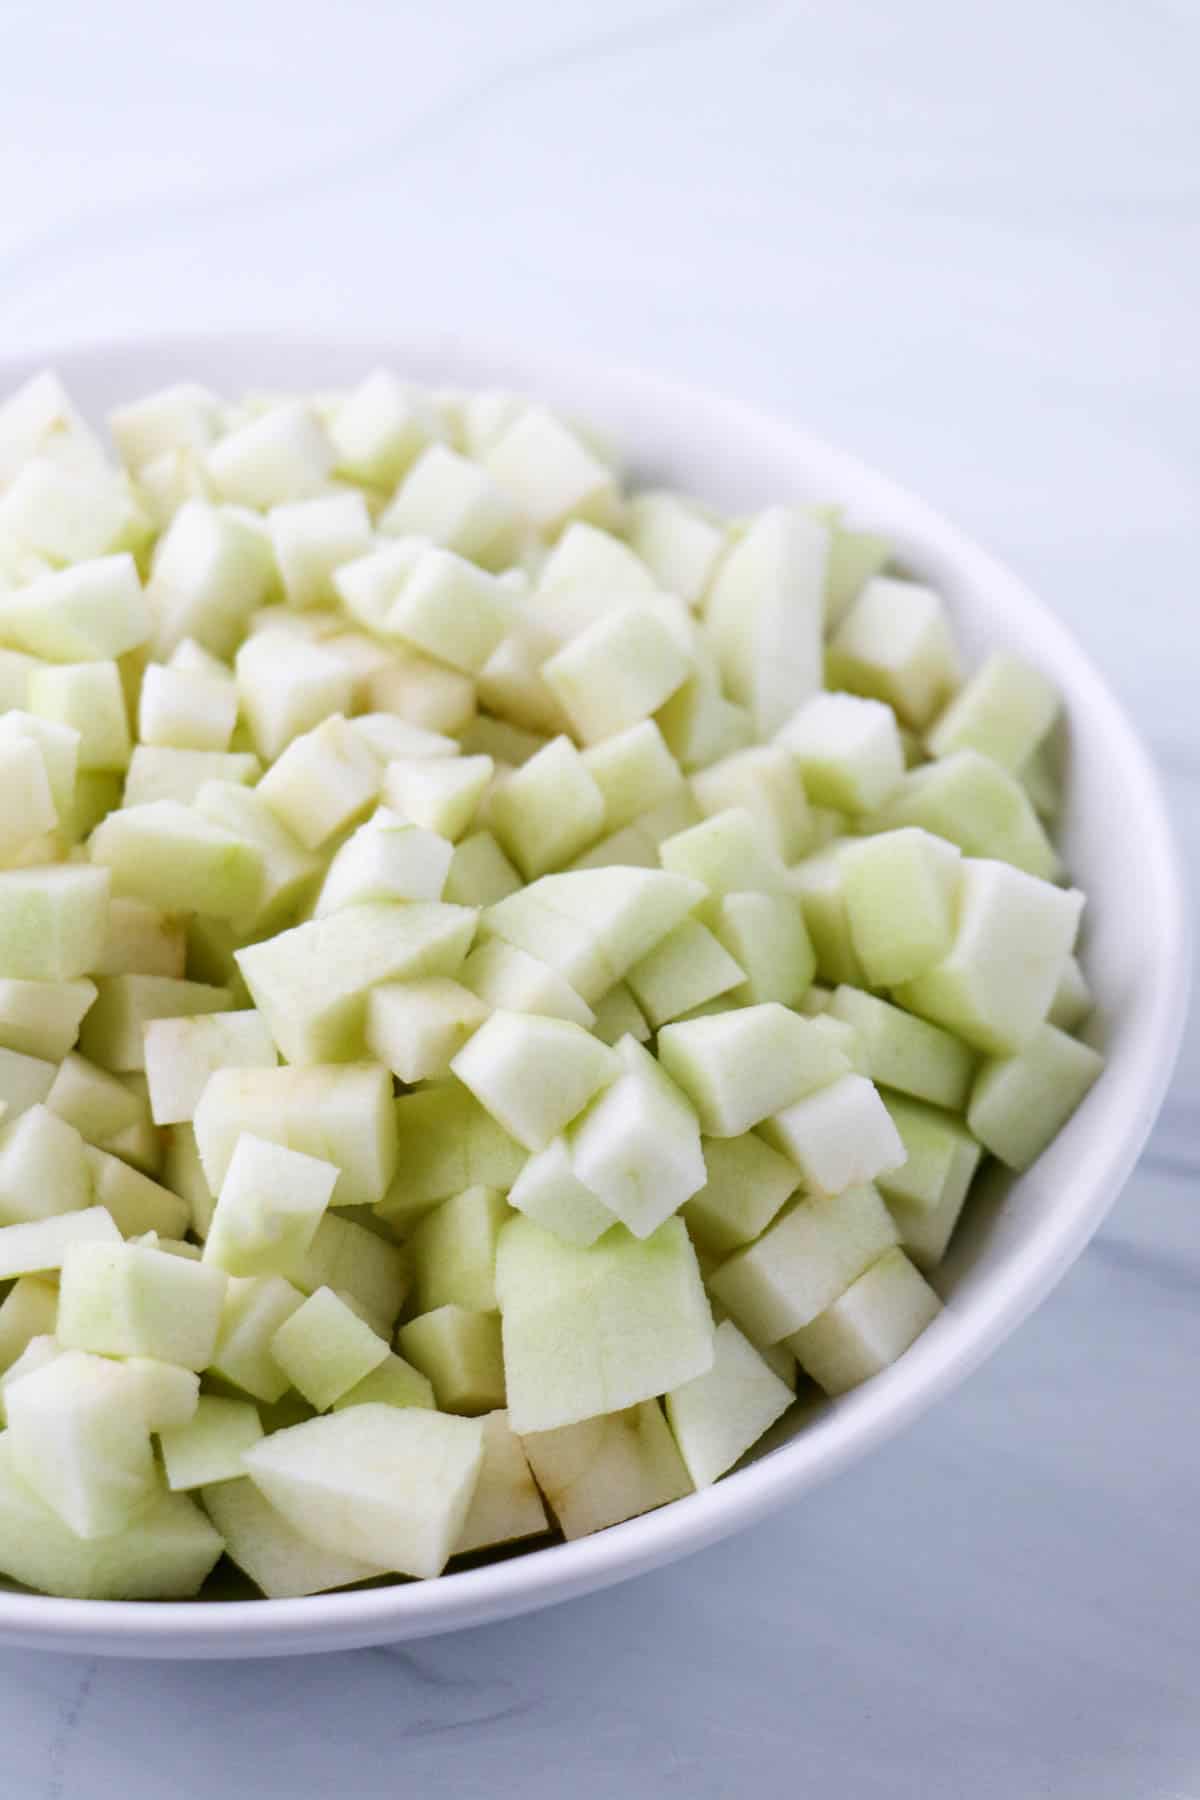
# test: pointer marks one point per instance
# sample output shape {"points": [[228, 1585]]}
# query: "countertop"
{"points": [[965, 243]]}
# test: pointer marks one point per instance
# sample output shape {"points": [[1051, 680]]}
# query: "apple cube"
{"points": [[57, 743], [393, 1382], [698, 724], [209, 1447], [43, 1167], [855, 557], [416, 1028], [186, 710], [28, 1311], [547, 811], [91, 612], [684, 969], [766, 936], [506, 1505], [42, 1018], [903, 1052], [634, 771], [390, 737], [87, 698], [424, 692], [287, 687], [803, 1261], [289, 872], [765, 614], [617, 672], [637, 1148], [170, 856], [593, 1330], [460, 1353], [27, 809], [182, 1053], [341, 1114], [766, 781], [270, 1205], [158, 773], [847, 749], [69, 515], [184, 416], [480, 874], [601, 1470], [729, 853], [371, 1275], [80, 1445], [40, 1246], [454, 502], [819, 883], [278, 1559], [839, 1136], [587, 561], [510, 980], [211, 569], [389, 1486], [550, 1193], [282, 454], [312, 538], [121, 1300], [379, 429], [454, 1251], [253, 1311], [980, 807], [868, 1327], [1020, 1103], [618, 1015], [894, 644], [451, 610], [680, 546], [98, 1105], [324, 1349], [1013, 936], [1072, 1001], [40, 419], [738, 1068], [321, 782], [441, 795], [134, 1202], [716, 1417], [447, 1143], [52, 921], [114, 1031], [511, 682], [550, 474], [900, 890], [1004, 711], [941, 1157], [311, 983], [747, 1184], [385, 859], [534, 1075]]}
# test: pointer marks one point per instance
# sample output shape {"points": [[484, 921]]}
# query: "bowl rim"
{"points": [[876, 1412]]}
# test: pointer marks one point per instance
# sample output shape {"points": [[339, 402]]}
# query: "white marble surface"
{"points": [[966, 243]]}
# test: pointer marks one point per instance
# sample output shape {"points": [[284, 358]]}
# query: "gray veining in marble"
{"points": [[966, 243]]}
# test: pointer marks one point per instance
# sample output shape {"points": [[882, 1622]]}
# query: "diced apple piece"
{"points": [[1020, 1103], [77, 1441], [325, 1349], [113, 1033], [510, 980], [1072, 998], [550, 474], [389, 1486], [86, 697], [738, 1068], [393, 1382], [766, 935], [980, 807], [416, 1028], [283, 454], [441, 795], [447, 1142], [450, 610], [684, 969], [894, 644], [941, 1157], [287, 687], [209, 1448], [70, 515], [385, 859], [270, 1205], [506, 1506], [379, 429], [43, 1168], [172, 857], [454, 1251], [592, 562], [211, 569], [602, 1470], [716, 1417], [729, 853], [1013, 936], [900, 891], [182, 1053], [765, 614], [820, 885], [678, 543], [698, 724], [547, 811], [1004, 711], [868, 1327], [311, 983], [278, 1559], [92, 612], [848, 751], [323, 781], [27, 810], [424, 692], [42, 1018], [253, 1311], [57, 743], [550, 1193], [803, 1261], [509, 746], [855, 557], [634, 771], [534, 1075], [618, 1015], [904, 1052], [511, 683], [460, 1352], [747, 1184], [371, 1275], [389, 737], [617, 672], [766, 781], [840, 1136], [480, 874], [446, 498], [121, 1300], [184, 416], [594, 1330], [341, 1114], [52, 921], [134, 1202], [289, 872], [157, 773], [186, 710], [637, 1148], [28, 1311], [40, 420], [312, 538]]}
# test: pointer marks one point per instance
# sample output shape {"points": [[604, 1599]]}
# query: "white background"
{"points": [[965, 243]]}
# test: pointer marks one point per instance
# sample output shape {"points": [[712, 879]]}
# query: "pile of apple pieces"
{"points": [[498, 976]]}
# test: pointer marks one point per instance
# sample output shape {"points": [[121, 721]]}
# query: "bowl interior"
{"points": [[1019, 1235]]}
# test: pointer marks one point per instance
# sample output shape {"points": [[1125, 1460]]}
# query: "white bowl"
{"points": [[1019, 1237]]}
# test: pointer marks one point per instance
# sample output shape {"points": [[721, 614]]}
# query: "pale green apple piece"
{"points": [[1020, 1103], [601, 1470], [459, 1350], [716, 1417], [209, 1448], [868, 1327], [453, 1250], [747, 1184]]}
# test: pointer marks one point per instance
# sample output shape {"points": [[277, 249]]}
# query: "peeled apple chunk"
{"points": [[386, 1485], [590, 1331], [467, 929]]}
